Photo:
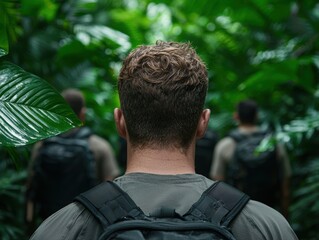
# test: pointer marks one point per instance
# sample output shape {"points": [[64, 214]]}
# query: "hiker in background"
{"points": [[162, 91], [122, 153], [204, 152], [66, 165], [263, 175]]}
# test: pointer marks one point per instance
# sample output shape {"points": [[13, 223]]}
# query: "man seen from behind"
{"points": [[66, 165], [162, 90], [264, 175]]}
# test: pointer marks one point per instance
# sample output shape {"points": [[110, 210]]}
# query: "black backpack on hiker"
{"points": [[254, 172], [121, 218], [204, 152], [63, 169]]}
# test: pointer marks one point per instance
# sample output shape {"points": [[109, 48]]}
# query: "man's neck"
{"points": [[160, 161], [247, 126]]}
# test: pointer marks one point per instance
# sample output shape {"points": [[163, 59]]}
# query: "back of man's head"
{"points": [[162, 91], [75, 99], [247, 112]]}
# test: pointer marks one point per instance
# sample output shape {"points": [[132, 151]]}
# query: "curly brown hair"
{"points": [[162, 90]]}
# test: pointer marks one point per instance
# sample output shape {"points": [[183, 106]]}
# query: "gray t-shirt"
{"points": [[151, 192]]}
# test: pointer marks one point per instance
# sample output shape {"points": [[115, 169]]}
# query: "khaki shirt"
{"points": [[151, 192]]}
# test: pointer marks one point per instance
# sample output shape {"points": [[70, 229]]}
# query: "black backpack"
{"points": [[254, 172], [121, 218], [204, 152], [63, 169]]}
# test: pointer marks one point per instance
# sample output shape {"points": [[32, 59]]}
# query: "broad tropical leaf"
{"points": [[30, 109]]}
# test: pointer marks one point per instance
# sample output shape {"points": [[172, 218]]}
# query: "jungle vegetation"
{"points": [[260, 49]]}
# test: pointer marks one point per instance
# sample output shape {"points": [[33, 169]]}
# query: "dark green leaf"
{"points": [[4, 45], [30, 109]]}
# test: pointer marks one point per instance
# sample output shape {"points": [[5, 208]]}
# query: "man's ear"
{"points": [[256, 117], [203, 123], [82, 114], [236, 116], [120, 122]]}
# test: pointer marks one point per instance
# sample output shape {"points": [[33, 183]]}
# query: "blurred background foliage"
{"points": [[266, 50]]}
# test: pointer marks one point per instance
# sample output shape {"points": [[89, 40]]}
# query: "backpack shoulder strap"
{"points": [[220, 204], [80, 137], [260, 133], [237, 136], [109, 203]]}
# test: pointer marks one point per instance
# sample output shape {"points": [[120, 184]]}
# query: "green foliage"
{"points": [[11, 190], [306, 205], [30, 111], [12, 183], [264, 50], [42, 9], [4, 46], [10, 17]]}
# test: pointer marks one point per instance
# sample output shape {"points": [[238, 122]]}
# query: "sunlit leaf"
{"points": [[96, 33], [316, 60], [30, 109]]}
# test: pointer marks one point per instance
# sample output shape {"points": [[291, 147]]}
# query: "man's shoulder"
{"points": [[97, 143], [258, 221], [255, 221], [225, 146], [69, 223], [226, 141], [96, 139]]}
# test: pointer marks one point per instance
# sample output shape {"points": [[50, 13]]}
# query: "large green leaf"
{"points": [[30, 109]]}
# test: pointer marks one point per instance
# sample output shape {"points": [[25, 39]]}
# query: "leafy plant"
{"points": [[30, 109], [264, 50], [11, 202], [306, 204]]}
